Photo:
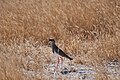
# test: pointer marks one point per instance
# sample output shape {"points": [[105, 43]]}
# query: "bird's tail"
{"points": [[69, 57]]}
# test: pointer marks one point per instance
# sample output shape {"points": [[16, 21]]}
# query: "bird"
{"points": [[58, 51]]}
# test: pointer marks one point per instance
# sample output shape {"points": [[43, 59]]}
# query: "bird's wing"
{"points": [[60, 52]]}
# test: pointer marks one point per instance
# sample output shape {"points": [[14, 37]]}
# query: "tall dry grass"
{"points": [[89, 30]]}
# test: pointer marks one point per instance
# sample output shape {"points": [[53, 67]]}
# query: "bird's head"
{"points": [[51, 42]]}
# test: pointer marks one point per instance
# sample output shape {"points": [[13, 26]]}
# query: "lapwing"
{"points": [[58, 51]]}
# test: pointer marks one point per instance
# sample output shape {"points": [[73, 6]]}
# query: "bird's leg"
{"points": [[60, 62], [56, 67], [57, 63]]}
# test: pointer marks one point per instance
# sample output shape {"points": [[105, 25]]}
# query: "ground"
{"points": [[86, 30]]}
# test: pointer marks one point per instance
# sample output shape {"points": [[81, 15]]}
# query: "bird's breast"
{"points": [[56, 54]]}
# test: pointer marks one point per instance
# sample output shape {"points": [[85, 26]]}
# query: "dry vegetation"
{"points": [[89, 30]]}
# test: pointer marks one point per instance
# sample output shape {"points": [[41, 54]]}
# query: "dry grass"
{"points": [[89, 30]]}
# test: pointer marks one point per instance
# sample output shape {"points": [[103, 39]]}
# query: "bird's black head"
{"points": [[52, 40]]}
